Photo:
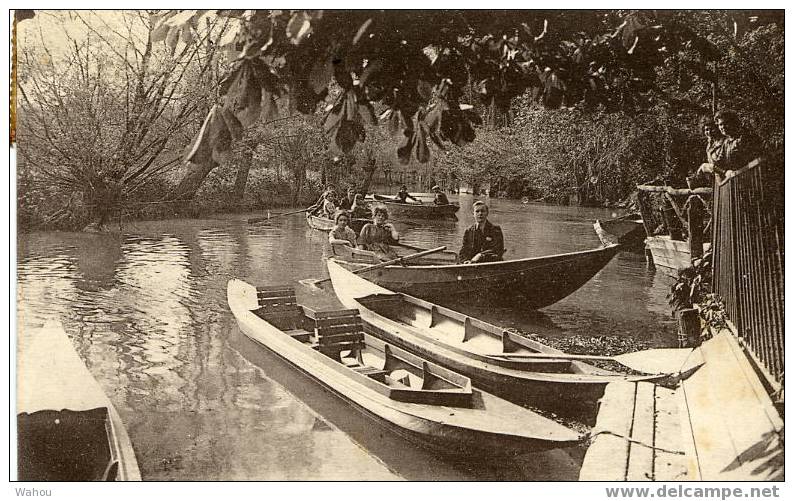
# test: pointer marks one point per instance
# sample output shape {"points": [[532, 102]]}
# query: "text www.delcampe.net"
{"points": [[681, 491]]}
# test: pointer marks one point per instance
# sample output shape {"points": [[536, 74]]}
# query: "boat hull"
{"points": [[418, 211], [406, 418], [55, 386], [530, 283], [629, 231]]}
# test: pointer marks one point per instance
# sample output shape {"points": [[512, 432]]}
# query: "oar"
{"points": [[386, 263], [258, 219]]}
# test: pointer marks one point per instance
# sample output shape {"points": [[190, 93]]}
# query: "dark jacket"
{"points": [[489, 239]]}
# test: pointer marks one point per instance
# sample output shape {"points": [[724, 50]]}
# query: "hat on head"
{"points": [[435, 187]]}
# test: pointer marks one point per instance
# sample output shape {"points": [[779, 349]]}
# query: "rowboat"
{"points": [[628, 230], [326, 224], [420, 399], [498, 360], [532, 283], [670, 255], [398, 210], [67, 429]]}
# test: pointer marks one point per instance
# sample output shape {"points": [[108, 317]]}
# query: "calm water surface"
{"points": [[147, 312]]}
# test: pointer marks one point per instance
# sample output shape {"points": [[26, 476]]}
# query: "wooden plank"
{"points": [[341, 338], [640, 464], [607, 457], [674, 191], [332, 330], [264, 288], [321, 315], [669, 460], [730, 424]]}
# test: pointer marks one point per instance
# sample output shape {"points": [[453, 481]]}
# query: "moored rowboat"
{"points": [[494, 358], [421, 399], [628, 230], [67, 429], [533, 282]]}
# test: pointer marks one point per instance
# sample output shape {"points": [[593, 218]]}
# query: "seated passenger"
{"points": [[379, 235], [342, 234], [482, 242], [441, 198], [329, 206], [402, 196]]}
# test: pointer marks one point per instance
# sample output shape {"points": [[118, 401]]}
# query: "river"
{"points": [[147, 312]]}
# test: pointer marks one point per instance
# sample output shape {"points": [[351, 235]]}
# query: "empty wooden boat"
{"points": [[422, 400], [67, 429], [628, 230], [496, 359], [398, 210], [326, 224], [533, 282]]}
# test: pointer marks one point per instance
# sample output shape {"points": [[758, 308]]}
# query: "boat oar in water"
{"points": [[656, 361], [315, 283], [269, 216]]}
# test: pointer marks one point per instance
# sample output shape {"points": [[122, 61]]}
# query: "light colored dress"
{"points": [[338, 233]]}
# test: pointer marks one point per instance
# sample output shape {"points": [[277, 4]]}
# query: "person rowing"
{"points": [[483, 241], [402, 196], [379, 235]]}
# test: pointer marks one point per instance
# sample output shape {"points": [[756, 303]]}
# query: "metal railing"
{"points": [[748, 255]]}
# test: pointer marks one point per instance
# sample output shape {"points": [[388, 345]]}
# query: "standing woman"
{"points": [[379, 235], [342, 234]]}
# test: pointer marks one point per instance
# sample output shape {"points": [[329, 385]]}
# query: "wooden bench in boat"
{"points": [[717, 424], [342, 331]]}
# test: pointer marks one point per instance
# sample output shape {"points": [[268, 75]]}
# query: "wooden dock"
{"points": [[718, 423]]}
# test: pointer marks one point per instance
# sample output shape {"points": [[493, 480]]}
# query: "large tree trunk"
{"points": [[192, 181], [242, 174]]}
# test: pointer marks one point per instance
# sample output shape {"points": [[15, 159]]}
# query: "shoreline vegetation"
{"points": [[184, 121]]}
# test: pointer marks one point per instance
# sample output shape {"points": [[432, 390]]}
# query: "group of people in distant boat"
{"points": [[482, 242]]}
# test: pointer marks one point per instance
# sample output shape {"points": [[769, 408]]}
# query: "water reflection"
{"points": [[147, 312]]}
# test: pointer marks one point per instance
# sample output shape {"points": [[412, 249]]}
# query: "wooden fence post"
{"points": [[695, 228]]}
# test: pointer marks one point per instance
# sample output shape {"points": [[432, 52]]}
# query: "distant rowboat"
{"points": [[627, 229], [398, 210], [326, 224], [421, 399], [67, 429]]}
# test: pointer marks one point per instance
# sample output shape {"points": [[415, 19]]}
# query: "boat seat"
{"points": [[338, 331], [277, 300], [372, 372], [301, 335]]}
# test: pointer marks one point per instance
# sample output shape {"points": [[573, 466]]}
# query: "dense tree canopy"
{"points": [[417, 64]]}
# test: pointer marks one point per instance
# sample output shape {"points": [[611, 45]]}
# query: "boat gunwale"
{"points": [[496, 264]]}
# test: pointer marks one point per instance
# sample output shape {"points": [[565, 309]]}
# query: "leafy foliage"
{"points": [[418, 63], [693, 288]]}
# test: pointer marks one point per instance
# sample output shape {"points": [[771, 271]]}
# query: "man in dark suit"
{"points": [[483, 241]]}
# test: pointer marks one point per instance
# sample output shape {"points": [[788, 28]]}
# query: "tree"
{"points": [[105, 114]]}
